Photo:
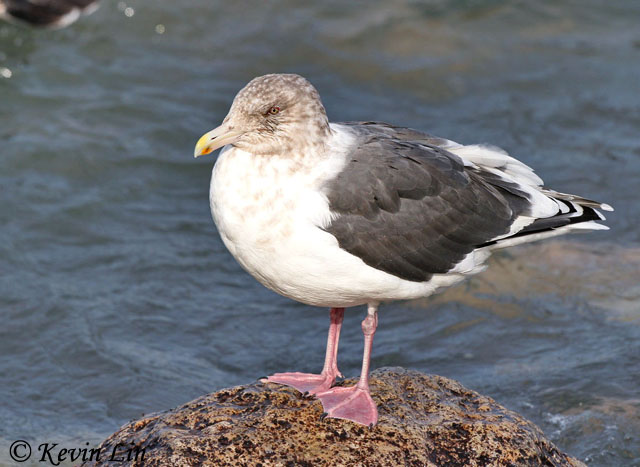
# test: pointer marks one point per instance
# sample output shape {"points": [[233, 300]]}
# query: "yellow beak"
{"points": [[215, 139]]}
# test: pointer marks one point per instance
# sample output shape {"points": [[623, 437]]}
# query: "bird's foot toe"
{"points": [[306, 383], [351, 403]]}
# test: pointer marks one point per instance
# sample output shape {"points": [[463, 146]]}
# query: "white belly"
{"points": [[269, 214]]}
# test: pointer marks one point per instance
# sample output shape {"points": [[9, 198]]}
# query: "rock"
{"points": [[423, 420]]}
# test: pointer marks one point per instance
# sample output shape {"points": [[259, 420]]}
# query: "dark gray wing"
{"points": [[44, 12], [399, 133], [412, 209]]}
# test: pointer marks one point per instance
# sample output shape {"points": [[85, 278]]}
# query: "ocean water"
{"points": [[117, 297]]}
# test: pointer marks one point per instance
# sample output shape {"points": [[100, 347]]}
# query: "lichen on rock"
{"points": [[424, 420]]}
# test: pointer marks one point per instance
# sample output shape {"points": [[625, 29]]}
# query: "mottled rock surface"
{"points": [[424, 420]]}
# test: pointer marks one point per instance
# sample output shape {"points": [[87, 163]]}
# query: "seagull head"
{"points": [[273, 114]]}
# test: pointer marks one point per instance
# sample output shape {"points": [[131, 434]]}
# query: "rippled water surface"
{"points": [[117, 296]]}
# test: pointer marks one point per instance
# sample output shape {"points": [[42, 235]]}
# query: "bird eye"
{"points": [[274, 110]]}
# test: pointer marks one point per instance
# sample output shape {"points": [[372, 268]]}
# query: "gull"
{"points": [[47, 13], [339, 215]]}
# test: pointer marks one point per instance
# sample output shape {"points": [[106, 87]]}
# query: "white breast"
{"points": [[270, 210]]}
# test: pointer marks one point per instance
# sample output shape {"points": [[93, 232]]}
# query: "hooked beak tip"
{"points": [[203, 146], [215, 139]]}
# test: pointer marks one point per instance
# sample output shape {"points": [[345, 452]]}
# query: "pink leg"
{"points": [[311, 383], [354, 403]]}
